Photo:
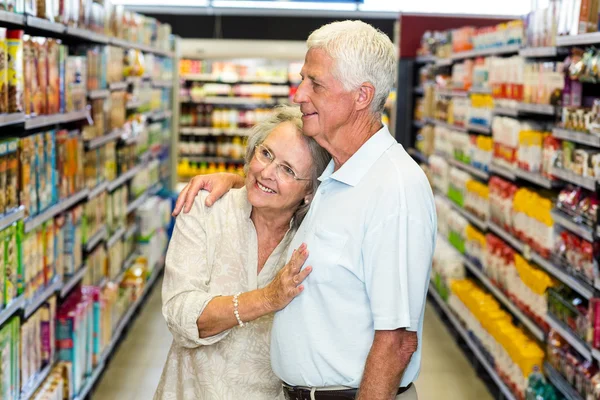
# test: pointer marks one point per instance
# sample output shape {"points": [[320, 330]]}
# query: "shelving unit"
{"points": [[19, 125], [457, 326]]}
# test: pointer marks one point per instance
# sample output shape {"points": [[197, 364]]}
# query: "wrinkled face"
{"points": [[266, 190], [326, 106]]}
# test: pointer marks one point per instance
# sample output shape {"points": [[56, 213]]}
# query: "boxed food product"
{"points": [[53, 89], [27, 173], [75, 79], [3, 180], [15, 71], [41, 60], [3, 72], [11, 265]]}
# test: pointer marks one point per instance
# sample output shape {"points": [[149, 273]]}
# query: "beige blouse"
{"points": [[214, 252]]}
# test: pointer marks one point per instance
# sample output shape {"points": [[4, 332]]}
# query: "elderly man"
{"points": [[355, 331]]}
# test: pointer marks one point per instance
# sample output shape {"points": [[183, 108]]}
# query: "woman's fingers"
{"points": [[180, 200], [301, 276], [298, 259]]}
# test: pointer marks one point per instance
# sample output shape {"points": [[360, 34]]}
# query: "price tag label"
{"points": [[527, 252]]}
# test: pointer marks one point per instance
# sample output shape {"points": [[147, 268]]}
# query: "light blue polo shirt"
{"points": [[370, 233]]}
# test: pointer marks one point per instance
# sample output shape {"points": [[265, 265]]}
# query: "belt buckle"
{"points": [[291, 393]]}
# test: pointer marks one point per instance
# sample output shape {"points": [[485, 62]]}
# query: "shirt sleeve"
{"points": [[185, 291], [397, 255]]}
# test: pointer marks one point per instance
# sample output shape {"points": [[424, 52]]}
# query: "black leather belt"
{"points": [[296, 393]]}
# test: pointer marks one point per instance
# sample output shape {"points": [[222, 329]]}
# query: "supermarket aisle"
{"points": [[134, 372]]}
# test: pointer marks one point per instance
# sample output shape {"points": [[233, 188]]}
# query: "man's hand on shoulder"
{"points": [[216, 184]]}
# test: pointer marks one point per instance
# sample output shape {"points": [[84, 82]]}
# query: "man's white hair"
{"points": [[361, 54]]}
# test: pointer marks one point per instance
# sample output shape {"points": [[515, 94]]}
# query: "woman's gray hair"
{"points": [[320, 157], [361, 54]]}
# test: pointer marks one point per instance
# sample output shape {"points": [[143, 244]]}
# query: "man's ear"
{"points": [[366, 93]]}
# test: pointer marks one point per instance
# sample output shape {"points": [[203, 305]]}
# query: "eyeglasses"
{"points": [[283, 172]]}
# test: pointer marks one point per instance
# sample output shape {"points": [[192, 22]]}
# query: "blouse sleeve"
{"points": [[185, 292]]}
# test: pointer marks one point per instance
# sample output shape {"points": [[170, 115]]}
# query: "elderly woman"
{"points": [[225, 273]]}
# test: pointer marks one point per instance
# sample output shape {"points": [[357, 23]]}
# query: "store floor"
{"points": [[134, 371]]}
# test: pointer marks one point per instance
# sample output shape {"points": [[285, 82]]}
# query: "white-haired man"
{"points": [[355, 331]]}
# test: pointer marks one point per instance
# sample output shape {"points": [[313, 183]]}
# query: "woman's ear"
{"points": [[308, 198]]}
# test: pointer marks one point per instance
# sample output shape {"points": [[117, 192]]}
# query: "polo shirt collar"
{"points": [[357, 166]]}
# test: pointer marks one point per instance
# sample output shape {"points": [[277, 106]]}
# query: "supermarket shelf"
{"points": [[526, 108], [12, 18], [508, 112], [470, 169], [514, 310], [163, 114], [536, 179], [42, 297], [452, 93], [216, 79], [11, 119], [115, 237], [476, 90], [96, 239], [485, 130], [472, 218], [118, 86], [73, 281], [40, 377], [209, 159], [566, 221], [162, 84], [418, 124], [118, 334], [137, 203], [540, 52], [154, 189], [443, 62], [98, 94], [98, 190], [577, 137], [514, 173], [578, 40], [507, 237], [583, 288], [134, 104], [467, 338], [75, 116], [32, 223], [542, 109], [131, 231], [44, 24], [87, 35], [424, 59], [508, 173], [102, 140], [11, 217], [418, 156], [231, 101], [91, 381], [208, 131], [123, 178], [13, 307], [50, 120], [43, 121], [565, 332], [561, 383], [512, 49], [450, 126], [568, 176], [579, 286]]}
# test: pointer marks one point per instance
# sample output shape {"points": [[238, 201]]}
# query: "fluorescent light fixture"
{"points": [[381, 5], [284, 5], [504, 7], [175, 3]]}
